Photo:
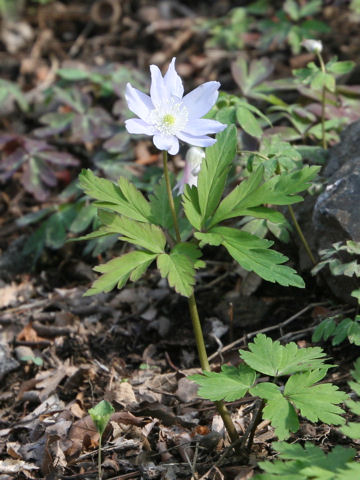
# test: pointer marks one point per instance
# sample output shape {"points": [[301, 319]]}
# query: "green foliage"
{"points": [[100, 415], [310, 463], [302, 391], [117, 271], [179, 267], [272, 358], [227, 31], [214, 172], [336, 265], [160, 212], [345, 329], [230, 384], [9, 90], [123, 198], [352, 429], [253, 254]]}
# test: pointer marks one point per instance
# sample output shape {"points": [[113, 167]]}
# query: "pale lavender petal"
{"points": [[203, 126], [202, 99], [166, 142], [138, 102], [173, 81], [158, 90], [197, 141], [136, 125]]}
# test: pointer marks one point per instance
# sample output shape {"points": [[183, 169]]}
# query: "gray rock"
{"points": [[347, 149], [336, 215]]}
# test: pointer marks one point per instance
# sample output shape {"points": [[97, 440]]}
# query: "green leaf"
{"points": [[253, 254], [214, 170], [72, 74], [118, 271], [278, 190], [124, 199], [191, 206], [159, 205], [315, 402], [271, 358], [340, 68], [101, 414], [84, 218], [278, 410], [230, 384], [298, 463], [324, 330], [248, 122], [179, 267], [145, 235]]}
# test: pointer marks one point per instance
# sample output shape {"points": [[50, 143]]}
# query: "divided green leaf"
{"points": [[253, 254], [230, 384], [179, 266], [271, 358], [119, 270], [214, 171], [148, 236], [123, 198]]}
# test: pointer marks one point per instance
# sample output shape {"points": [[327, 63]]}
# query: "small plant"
{"points": [[311, 462], [100, 415], [12, 91], [346, 328], [158, 228], [322, 78], [38, 162], [302, 392]]}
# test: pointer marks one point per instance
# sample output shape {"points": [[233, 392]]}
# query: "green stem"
{"points": [[301, 235], [323, 102], [194, 314], [99, 458]]}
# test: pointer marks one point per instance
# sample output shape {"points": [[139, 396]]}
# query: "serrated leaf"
{"points": [[253, 254], [159, 205], [230, 384], [214, 170], [271, 358], [179, 267], [278, 190], [278, 410], [191, 206], [100, 415], [123, 198], [340, 68], [118, 271], [315, 402], [146, 235]]}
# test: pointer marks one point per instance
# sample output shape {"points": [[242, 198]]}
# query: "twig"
{"points": [[267, 329]]}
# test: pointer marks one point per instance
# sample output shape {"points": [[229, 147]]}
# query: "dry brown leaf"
{"points": [[28, 334], [13, 294]]}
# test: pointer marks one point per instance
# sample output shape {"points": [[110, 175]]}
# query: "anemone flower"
{"points": [[168, 116], [312, 46]]}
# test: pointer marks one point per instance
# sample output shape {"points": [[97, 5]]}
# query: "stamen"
{"points": [[170, 117]]}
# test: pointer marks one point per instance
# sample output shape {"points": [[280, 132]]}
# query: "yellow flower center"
{"points": [[168, 120]]}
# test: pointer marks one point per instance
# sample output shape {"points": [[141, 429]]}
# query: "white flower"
{"points": [[312, 46], [168, 116], [193, 160]]}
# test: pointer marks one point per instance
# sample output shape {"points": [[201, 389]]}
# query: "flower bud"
{"points": [[312, 46]]}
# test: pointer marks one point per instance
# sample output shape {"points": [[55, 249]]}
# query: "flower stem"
{"points": [[301, 235], [194, 314], [323, 102], [99, 458]]}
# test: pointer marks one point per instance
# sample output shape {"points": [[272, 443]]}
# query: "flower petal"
{"points": [[166, 142], [158, 90], [136, 125], [138, 102], [197, 141], [202, 99], [203, 126], [173, 81]]}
